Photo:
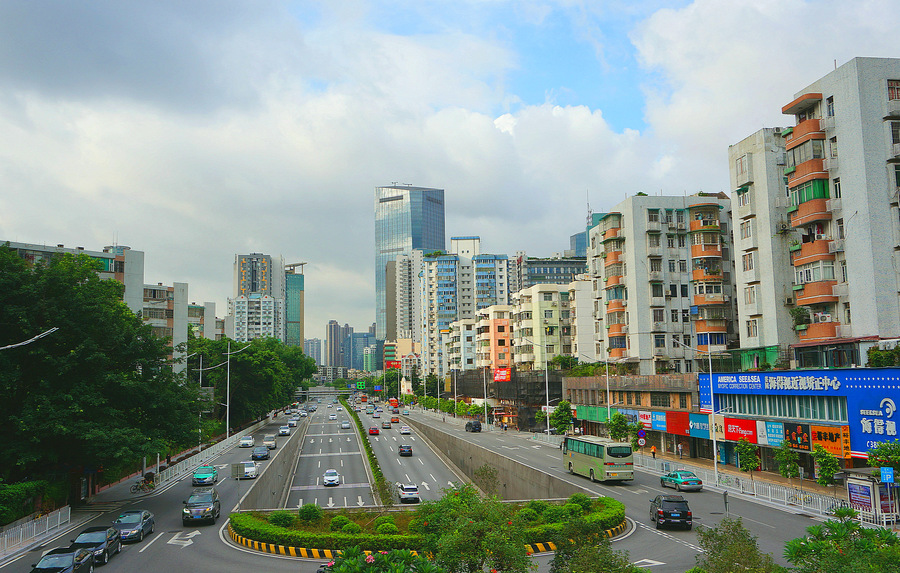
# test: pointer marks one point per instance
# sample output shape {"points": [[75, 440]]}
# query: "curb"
{"points": [[331, 554]]}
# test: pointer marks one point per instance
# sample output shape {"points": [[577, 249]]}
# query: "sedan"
{"points": [[376, 415], [331, 477], [134, 524], [345, 425], [65, 560], [247, 442], [103, 541], [259, 453], [681, 480], [270, 442], [332, 416], [292, 423], [374, 431], [404, 430], [205, 475], [284, 431], [386, 425], [248, 470], [203, 505], [405, 450], [339, 409]]}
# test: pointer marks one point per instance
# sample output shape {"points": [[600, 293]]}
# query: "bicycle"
{"points": [[143, 486]]}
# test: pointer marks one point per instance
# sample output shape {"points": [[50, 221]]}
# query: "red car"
{"points": [[374, 431]]}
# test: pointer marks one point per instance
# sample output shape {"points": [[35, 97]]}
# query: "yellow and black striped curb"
{"points": [[550, 546], [331, 554]]}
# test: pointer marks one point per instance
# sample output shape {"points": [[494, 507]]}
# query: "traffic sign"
{"points": [[887, 475], [642, 442], [642, 434]]}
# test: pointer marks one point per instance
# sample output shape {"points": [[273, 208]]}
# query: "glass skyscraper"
{"points": [[406, 218]]}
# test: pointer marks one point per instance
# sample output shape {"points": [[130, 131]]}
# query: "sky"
{"points": [[194, 131]]}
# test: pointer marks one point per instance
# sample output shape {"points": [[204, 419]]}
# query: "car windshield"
{"points": [[91, 537], [200, 498], [129, 518], [686, 475], [331, 473], [52, 561], [618, 451]]}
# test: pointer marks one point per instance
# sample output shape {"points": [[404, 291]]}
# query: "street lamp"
{"points": [[228, 387], [712, 403]]}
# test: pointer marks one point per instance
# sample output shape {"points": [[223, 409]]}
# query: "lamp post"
{"points": [[228, 388], [712, 404]]}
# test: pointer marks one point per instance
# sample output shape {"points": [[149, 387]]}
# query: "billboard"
{"points": [[740, 428], [829, 437], [658, 421], [502, 374], [798, 436], [769, 433], [645, 418], [699, 426], [392, 365], [678, 423]]}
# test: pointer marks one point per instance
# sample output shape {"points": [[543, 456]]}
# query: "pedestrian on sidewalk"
{"points": [[653, 451], [680, 450]]}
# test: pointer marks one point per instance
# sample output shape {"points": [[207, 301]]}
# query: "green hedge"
{"points": [[251, 527], [607, 514], [20, 499]]}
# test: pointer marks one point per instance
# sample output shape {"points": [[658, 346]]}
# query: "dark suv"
{"points": [[473, 426], [670, 510], [203, 505]]}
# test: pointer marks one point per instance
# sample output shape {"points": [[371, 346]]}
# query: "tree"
{"points": [[827, 464], [100, 388], [842, 545], [579, 549], [469, 534], [617, 426], [748, 456], [634, 430], [729, 547], [563, 362], [788, 460], [561, 417], [885, 454]]}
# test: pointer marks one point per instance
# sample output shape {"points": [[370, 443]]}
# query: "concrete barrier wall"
{"points": [[515, 479], [269, 490]]}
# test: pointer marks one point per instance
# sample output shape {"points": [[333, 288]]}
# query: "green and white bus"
{"points": [[600, 459]]}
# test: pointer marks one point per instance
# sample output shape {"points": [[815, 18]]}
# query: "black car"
{"points": [[405, 450], [670, 510], [102, 540], [134, 524], [65, 560], [259, 453], [473, 426], [203, 505]]}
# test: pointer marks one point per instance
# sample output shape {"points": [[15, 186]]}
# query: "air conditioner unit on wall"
{"points": [[789, 301]]}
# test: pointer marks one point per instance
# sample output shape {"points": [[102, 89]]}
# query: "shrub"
{"points": [[527, 515], [384, 519], [338, 522], [310, 512], [281, 518], [538, 505], [573, 509], [555, 514], [351, 528], [387, 529], [583, 500]]}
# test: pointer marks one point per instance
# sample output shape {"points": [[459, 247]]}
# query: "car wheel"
{"points": [[678, 487], [592, 475], [119, 548], [141, 535], [571, 469], [662, 483], [152, 526], [91, 568], [689, 526], [104, 558]]}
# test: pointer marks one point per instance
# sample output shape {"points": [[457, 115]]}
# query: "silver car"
{"points": [[331, 477]]}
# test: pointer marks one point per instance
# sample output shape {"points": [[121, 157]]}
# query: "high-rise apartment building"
{"points": [[460, 345], [203, 322], [333, 344], [257, 308], [294, 300], [663, 269], [406, 218], [312, 347], [166, 312], [845, 212], [541, 325], [493, 337], [582, 316], [763, 239], [559, 269]]}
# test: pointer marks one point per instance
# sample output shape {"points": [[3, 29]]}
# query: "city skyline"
{"points": [[193, 133]]}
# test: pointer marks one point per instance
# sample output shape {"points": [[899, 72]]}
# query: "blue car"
{"points": [[134, 524]]}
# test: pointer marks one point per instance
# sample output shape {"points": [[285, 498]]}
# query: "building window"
{"points": [[750, 295], [752, 331], [501, 328], [628, 398], [653, 240], [656, 289], [829, 106], [840, 228], [685, 317], [674, 315], [746, 231], [671, 266], [688, 366], [744, 198], [548, 296], [673, 291], [659, 399], [682, 265], [832, 146], [846, 313], [681, 241], [748, 261], [653, 215], [893, 89], [682, 400], [548, 314], [670, 242], [740, 165], [895, 132], [659, 340], [659, 315], [836, 188], [501, 342], [843, 271], [655, 265]]}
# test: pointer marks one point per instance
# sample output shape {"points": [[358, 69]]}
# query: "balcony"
{"points": [[704, 299], [655, 276], [820, 292], [802, 130], [895, 153], [820, 331], [613, 280], [616, 304], [710, 325], [658, 327], [612, 258], [806, 171], [618, 353], [817, 250], [809, 211], [711, 224], [833, 204], [611, 234], [653, 226], [706, 250], [827, 123], [617, 329], [707, 274]]}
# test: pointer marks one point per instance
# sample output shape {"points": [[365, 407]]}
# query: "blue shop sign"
{"points": [[774, 433], [699, 426], [871, 394], [658, 421]]}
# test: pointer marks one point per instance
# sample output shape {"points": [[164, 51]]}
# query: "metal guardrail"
{"points": [[20, 534]]}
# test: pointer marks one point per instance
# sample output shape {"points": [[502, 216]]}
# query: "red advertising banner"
{"points": [[737, 428], [678, 423], [502, 374], [392, 365]]}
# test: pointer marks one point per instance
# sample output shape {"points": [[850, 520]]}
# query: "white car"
{"points": [[248, 470], [408, 492], [329, 405], [292, 423], [376, 415], [284, 430], [303, 414], [339, 409], [331, 477], [332, 416], [247, 442], [404, 430], [345, 425]]}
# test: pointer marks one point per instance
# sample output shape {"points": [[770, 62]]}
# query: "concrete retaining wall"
{"points": [[515, 479], [269, 490]]}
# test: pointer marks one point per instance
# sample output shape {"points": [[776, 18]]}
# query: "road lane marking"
{"points": [[150, 542]]}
